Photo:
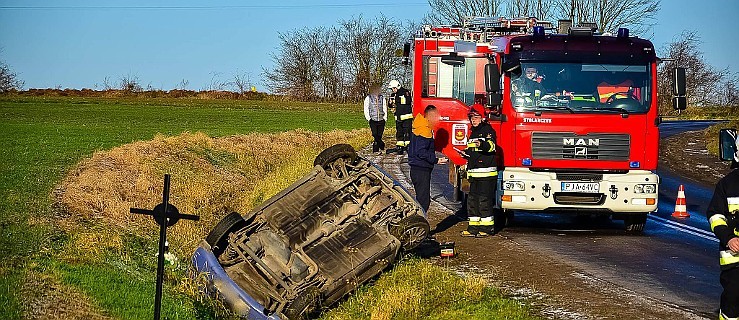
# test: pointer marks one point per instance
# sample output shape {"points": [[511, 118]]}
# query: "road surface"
{"points": [[673, 261]]}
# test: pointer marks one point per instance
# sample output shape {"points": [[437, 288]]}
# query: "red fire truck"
{"points": [[575, 111]]}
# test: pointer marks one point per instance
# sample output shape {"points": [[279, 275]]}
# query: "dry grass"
{"points": [[49, 299], [711, 135], [210, 177], [419, 289]]}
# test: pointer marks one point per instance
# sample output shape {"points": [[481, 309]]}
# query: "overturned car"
{"points": [[314, 242]]}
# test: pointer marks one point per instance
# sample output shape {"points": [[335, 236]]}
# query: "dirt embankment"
{"points": [[686, 155]]}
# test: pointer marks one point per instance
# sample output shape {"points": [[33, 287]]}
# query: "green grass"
{"points": [[43, 137]]}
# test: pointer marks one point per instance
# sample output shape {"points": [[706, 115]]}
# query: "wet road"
{"points": [[673, 261]]}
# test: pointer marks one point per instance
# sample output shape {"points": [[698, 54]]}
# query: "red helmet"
{"points": [[476, 109]]}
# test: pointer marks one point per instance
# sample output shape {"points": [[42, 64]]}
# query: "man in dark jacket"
{"points": [[482, 174], [422, 154], [723, 215]]}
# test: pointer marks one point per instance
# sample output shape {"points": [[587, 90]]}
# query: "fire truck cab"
{"points": [[575, 111]]}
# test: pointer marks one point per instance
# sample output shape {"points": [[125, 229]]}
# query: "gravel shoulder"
{"points": [[685, 155]]}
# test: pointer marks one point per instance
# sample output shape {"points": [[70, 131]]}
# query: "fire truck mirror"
{"points": [[406, 49], [492, 78], [452, 59], [678, 82], [679, 102], [727, 144]]}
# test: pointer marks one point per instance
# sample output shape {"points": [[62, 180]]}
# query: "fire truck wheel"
{"points": [[508, 216], [333, 153], [218, 237], [635, 223], [411, 231]]}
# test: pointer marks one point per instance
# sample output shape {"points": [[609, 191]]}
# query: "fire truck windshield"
{"points": [[581, 87]]}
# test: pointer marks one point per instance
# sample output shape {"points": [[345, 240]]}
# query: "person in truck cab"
{"points": [[400, 99], [529, 87], [482, 174], [422, 154], [723, 215]]}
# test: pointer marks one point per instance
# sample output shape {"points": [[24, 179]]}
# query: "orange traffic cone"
{"points": [[681, 209]]}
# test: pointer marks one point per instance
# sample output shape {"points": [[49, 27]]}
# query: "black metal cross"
{"points": [[165, 215]]}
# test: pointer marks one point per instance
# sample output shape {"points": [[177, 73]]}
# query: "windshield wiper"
{"points": [[613, 109], [564, 108]]}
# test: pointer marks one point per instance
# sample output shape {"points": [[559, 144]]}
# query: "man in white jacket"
{"points": [[375, 111]]}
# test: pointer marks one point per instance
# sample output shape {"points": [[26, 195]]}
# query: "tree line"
{"points": [[339, 62]]}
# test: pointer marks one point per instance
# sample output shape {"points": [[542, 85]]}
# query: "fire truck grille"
{"points": [[575, 198], [567, 145], [579, 177]]}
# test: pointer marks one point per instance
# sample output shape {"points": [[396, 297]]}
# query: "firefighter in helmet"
{"points": [[723, 215], [400, 99], [482, 174]]}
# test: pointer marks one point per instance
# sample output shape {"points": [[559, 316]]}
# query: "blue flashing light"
{"points": [[623, 33], [526, 162], [634, 164], [538, 32]]}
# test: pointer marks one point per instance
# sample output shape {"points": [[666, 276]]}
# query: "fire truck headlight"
{"points": [[514, 185], [645, 188]]}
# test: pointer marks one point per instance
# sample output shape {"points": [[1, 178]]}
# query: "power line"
{"points": [[255, 7]]}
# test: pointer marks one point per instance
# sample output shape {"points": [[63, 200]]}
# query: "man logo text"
{"points": [[580, 142]]}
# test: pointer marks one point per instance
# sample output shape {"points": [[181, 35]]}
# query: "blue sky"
{"points": [[77, 44]]}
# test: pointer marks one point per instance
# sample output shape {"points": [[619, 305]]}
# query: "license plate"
{"points": [[587, 187]]}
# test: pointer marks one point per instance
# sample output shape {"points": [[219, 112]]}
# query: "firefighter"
{"points": [[723, 215], [482, 174], [400, 99]]}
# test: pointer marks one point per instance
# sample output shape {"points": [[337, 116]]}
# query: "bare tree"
{"points": [[702, 78], [336, 63], [294, 72], [182, 85], [130, 83], [9, 79], [242, 82], [638, 15], [541, 9], [216, 84], [454, 11]]}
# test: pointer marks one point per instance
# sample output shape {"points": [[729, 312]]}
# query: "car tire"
{"points": [[635, 223], [411, 231], [303, 305], [218, 237], [334, 153]]}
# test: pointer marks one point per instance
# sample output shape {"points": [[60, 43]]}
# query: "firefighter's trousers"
{"points": [[481, 205], [730, 296], [403, 132]]}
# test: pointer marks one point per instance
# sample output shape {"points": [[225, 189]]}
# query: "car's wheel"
{"points": [[333, 153], [303, 305], [635, 223], [411, 231], [218, 237]]}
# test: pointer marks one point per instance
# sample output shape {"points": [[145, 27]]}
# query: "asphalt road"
{"points": [[673, 261]]}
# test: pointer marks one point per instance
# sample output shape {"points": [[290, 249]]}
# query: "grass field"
{"points": [[42, 138], [96, 268]]}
